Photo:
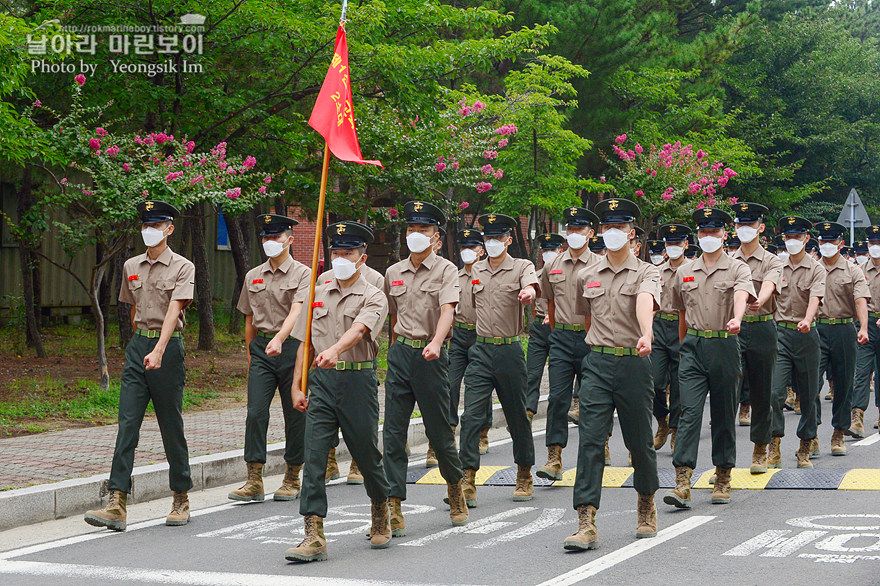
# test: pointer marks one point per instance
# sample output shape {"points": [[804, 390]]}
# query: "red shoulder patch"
{"points": [[687, 279], [556, 272], [594, 284], [475, 282], [318, 304], [133, 278], [396, 283], [258, 281]]}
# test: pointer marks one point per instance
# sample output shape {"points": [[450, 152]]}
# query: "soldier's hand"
{"points": [[878, 323], [755, 306], [804, 327], [431, 352], [300, 401], [273, 348], [643, 346], [327, 359], [733, 326], [527, 295], [546, 321], [153, 360], [863, 336]]}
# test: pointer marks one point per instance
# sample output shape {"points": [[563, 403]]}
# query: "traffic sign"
{"points": [[853, 215]]}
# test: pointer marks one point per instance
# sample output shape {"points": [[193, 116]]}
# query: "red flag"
{"points": [[333, 114]]}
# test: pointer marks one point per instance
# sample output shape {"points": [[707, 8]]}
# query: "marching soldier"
{"points": [[271, 299], [846, 296], [868, 355], [159, 286], [501, 286], [758, 335], [733, 242], [656, 252], [636, 243], [711, 294], [692, 252], [567, 347], [620, 294], [343, 388], [423, 290], [800, 292], [597, 245], [666, 347]]}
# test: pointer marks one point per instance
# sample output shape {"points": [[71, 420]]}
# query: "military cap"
{"points": [[711, 218], [550, 241], [860, 247], [579, 217], [656, 246], [812, 246], [422, 212], [347, 235], [772, 249], [597, 244], [733, 240], [829, 230], [640, 232], [794, 225], [673, 232], [846, 251], [153, 210], [872, 233], [692, 251], [272, 224], [747, 213], [617, 211], [496, 224], [470, 237], [779, 241]]}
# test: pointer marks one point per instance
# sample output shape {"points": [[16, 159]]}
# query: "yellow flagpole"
{"points": [[307, 361]]}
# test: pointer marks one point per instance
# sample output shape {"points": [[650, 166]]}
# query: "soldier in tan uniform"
{"points": [[597, 245], [502, 285], [619, 293], [757, 338], [567, 347], [711, 295], [159, 286], [538, 348], [343, 389], [422, 291], [868, 356]]}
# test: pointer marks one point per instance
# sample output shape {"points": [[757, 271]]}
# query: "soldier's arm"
{"points": [[645, 316], [862, 314], [812, 308], [768, 288], [444, 324], [393, 322], [298, 395], [329, 357], [682, 326], [551, 313], [250, 332], [132, 317], [274, 346], [153, 360]]}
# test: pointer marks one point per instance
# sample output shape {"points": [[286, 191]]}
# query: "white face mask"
{"points": [[417, 242], [874, 251], [576, 241], [794, 246], [615, 239], [783, 256], [674, 252], [828, 250], [861, 259], [746, 233], [273, 248], [152, 236], [494, 248], [656, 259], [468, 256], [343, 268], [711, 243], [549, 256]]}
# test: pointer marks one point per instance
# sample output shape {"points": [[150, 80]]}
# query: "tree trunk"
{"points": [[204, 296], [123, 310], [94, 295], [237, 227], [28, 261], [104, 287]]}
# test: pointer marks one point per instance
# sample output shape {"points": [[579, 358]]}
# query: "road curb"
{"points": [[45, 502]]}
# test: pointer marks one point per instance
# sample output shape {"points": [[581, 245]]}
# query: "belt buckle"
{"points": [[618, 351], [340, 365], [707, 333], [498, 341]]}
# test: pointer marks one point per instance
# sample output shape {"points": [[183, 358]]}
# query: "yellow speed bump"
{"points": [[611, 477], [740, 478], [861, 479]]}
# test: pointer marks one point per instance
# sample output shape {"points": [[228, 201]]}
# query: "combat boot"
{"points": [[531, 415], [745, 417], [454, 442], [380, 531], [575, 412], [774, 458], [789, 399], [721, 492], [552, 470], [680, 496], [398, 525], [290, 487], [647, 512], [354, 474], [484, 441], [587, 536], [672, 433], [253, 486], [332, 472], [662, 433], [838, 448], [803, 454], [759, 459], [469, 487], [431, 458], [314, 547], [113, 515], [857, 427], [830, 395], [607, 453], [524, 484], [458, 509], [797, 404], [179, 514]]}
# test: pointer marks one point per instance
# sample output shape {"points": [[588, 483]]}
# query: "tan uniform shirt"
{"points": [[844, 283], [416, 295], [496, 296], [799, 282], [372, 276], [151, 286], [269, 294], [465, 312], [337, 310], [764, 267], [609, 294], [559, 282], [873, 274], [667, 280], [541, 309], [706, 294]]}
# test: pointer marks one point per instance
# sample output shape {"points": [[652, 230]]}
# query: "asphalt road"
{"points": [[766, 537]]}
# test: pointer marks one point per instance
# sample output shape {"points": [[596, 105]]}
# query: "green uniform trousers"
{"points": [[265, 375], [623, 383], [745, 394], [411, 379], [797, 365], [709, 366], [503, 368], [567, 352], [164, 386], [757, 342], [867, 363], [536, 358], [459, 357], [838, 344], [664, 362], [346, 400]]}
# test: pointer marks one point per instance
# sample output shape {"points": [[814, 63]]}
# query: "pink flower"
{"points": [[190, 146], [440, 167], [267, 179], [98, 153], [464, 205], [440, 159], [703, 181], [262, 189], [732, 200], [37, 103], [94, 143], [722, 182], [100, 131], [249, 162], [667, 196], [64, 181], [126, 167], [730, 173], [653, 173], [465, 111], [80, 79], [507, 129], [487, 169], [197, 179], [640, 193], [144, 193], [233, 193], [87, 192], [455, 166], [639, 148], [172, 176], [479, 106], [202, 161], [694, 189], [392, 212], [281, 192], [502, 143], [490, 154], [483, 187], [701, 205], [499, 174], [112, 151], [620, 139]]}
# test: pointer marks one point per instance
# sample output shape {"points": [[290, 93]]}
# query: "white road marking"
{"points": [[807, 522], [469, 527], [757, 543], [548, 518], [253, 529], [830, 558], [838, 542], [871, 439], [785, 547], [624, 553], [490, 528]]}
